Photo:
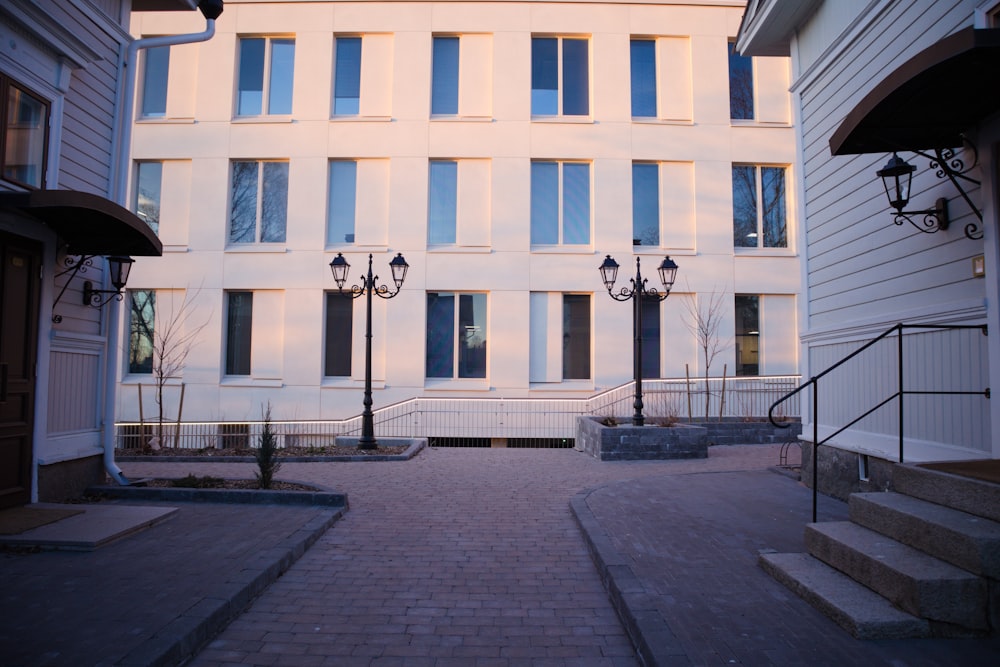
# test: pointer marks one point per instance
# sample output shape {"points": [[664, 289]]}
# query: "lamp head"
{"points": [[399, 267], [896, 176], [339, 267], [609, 272]]}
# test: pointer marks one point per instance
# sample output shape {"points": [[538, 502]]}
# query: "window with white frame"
{"points": [[560, 203], [343, 188], [560, 337], [643, 77], [646, 203], [155, 68], [259, 202], [456, 335], [442, 205], [142, 318], [148, 192], [338, 334], [24, 117], [239, 327], [741, 98], [445, 75], [347, 77], [560, 76], [576, 337], [760, 217], [266, 68], [747, 334]]}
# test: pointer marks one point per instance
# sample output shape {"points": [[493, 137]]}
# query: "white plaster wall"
{"points": [[497, 137]]}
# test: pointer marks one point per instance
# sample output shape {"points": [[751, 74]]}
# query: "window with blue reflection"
{"points": [[643, 74], [760, 217], [456, 341], [576, 84], [274, 202], [544, 76], [250, 89], [347, 77], [740, 85], [342, 195], [772, 185], [544, 203], [650, 337], [576, 203], [440, 358], [148, 189], [645, 204], [442, 201], [281, 76], [156, 67], [444, 81]]}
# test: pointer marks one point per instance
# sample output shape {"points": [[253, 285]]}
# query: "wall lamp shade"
{"points": [[896, 176], [609, 272], [339, 268], [119, 268], [668, 273], [399, 267]]}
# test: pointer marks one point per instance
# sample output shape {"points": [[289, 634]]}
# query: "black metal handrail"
{"points": [[900, 393]]}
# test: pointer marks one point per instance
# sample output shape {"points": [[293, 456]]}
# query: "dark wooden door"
{"points": [[20, 261]]}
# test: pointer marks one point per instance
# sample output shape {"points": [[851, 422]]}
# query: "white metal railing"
{"points": [[488, 418]]}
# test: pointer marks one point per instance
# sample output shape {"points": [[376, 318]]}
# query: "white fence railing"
{"points": [[490, 418]]}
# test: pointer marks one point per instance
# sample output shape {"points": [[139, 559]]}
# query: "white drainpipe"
{"points": [[122, 170]]}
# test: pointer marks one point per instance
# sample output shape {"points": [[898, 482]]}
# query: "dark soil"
{"points": [[284, 452]]}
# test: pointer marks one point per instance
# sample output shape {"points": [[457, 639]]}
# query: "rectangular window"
{"points": [[25, 121], [239, 320], [444, 83], [740, 85], [650, 338], [156, 66], [442, 202], [148, 189], [339, 328], [759, 209], [259, 207], [456, 337], [343, 202], [142, 309], [560, 64], [576, 336], [645, 204], [347, 77], [747, 334], [560, 203], [267, 66], [643, 72]]}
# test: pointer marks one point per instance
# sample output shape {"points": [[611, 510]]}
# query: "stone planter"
{"points": [[633, 443]]}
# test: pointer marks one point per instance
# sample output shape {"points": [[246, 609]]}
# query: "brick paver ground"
{"points": [[473, 557]]}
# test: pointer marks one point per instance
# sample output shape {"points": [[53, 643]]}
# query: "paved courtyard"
{"points": [[471, 557]]}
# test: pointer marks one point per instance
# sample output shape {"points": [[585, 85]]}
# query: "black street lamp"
{"points": [[339, 267], [638, 292]]}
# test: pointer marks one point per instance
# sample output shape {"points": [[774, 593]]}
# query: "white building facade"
{"points": [[863, 75], [503, 148]]}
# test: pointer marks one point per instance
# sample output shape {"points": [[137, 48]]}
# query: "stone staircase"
{"points": [[922, 560]]}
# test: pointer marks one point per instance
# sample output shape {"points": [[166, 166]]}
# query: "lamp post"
{"points": [[638, 292], [339, 267]]}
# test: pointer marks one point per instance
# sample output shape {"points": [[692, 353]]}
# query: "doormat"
{"points": [[17, 520], [987, 470]]}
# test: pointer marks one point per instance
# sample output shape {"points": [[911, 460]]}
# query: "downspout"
{"points": [[211, 9]]}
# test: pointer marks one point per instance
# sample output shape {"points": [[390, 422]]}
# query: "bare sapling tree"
{"points": [[166, 342], [703, 318]]}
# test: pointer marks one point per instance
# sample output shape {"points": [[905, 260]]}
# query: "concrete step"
{"points": [[968, 541], [857, 609], [974, 496], [910, 579]]}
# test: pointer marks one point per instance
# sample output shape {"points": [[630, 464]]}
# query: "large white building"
{"points": [[504, 148]]}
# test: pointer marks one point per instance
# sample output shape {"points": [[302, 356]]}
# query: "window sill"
{"points": [[252, 248], [352, 247], [164, 120], [256, 120], [360, 119], [175, 248], [572, 120], [648, 120], [248, 381], [563, 385], [582, 249], [148, 380], [445, 118], [459, 249], [736, 122], [349, 383], [764, 252], [462, 384]]}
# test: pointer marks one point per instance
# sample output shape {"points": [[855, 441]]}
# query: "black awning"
{"points": [[89, 224], [930, 100]]}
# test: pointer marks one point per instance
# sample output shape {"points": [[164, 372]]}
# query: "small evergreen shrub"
{"points": [[267, 453]]}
